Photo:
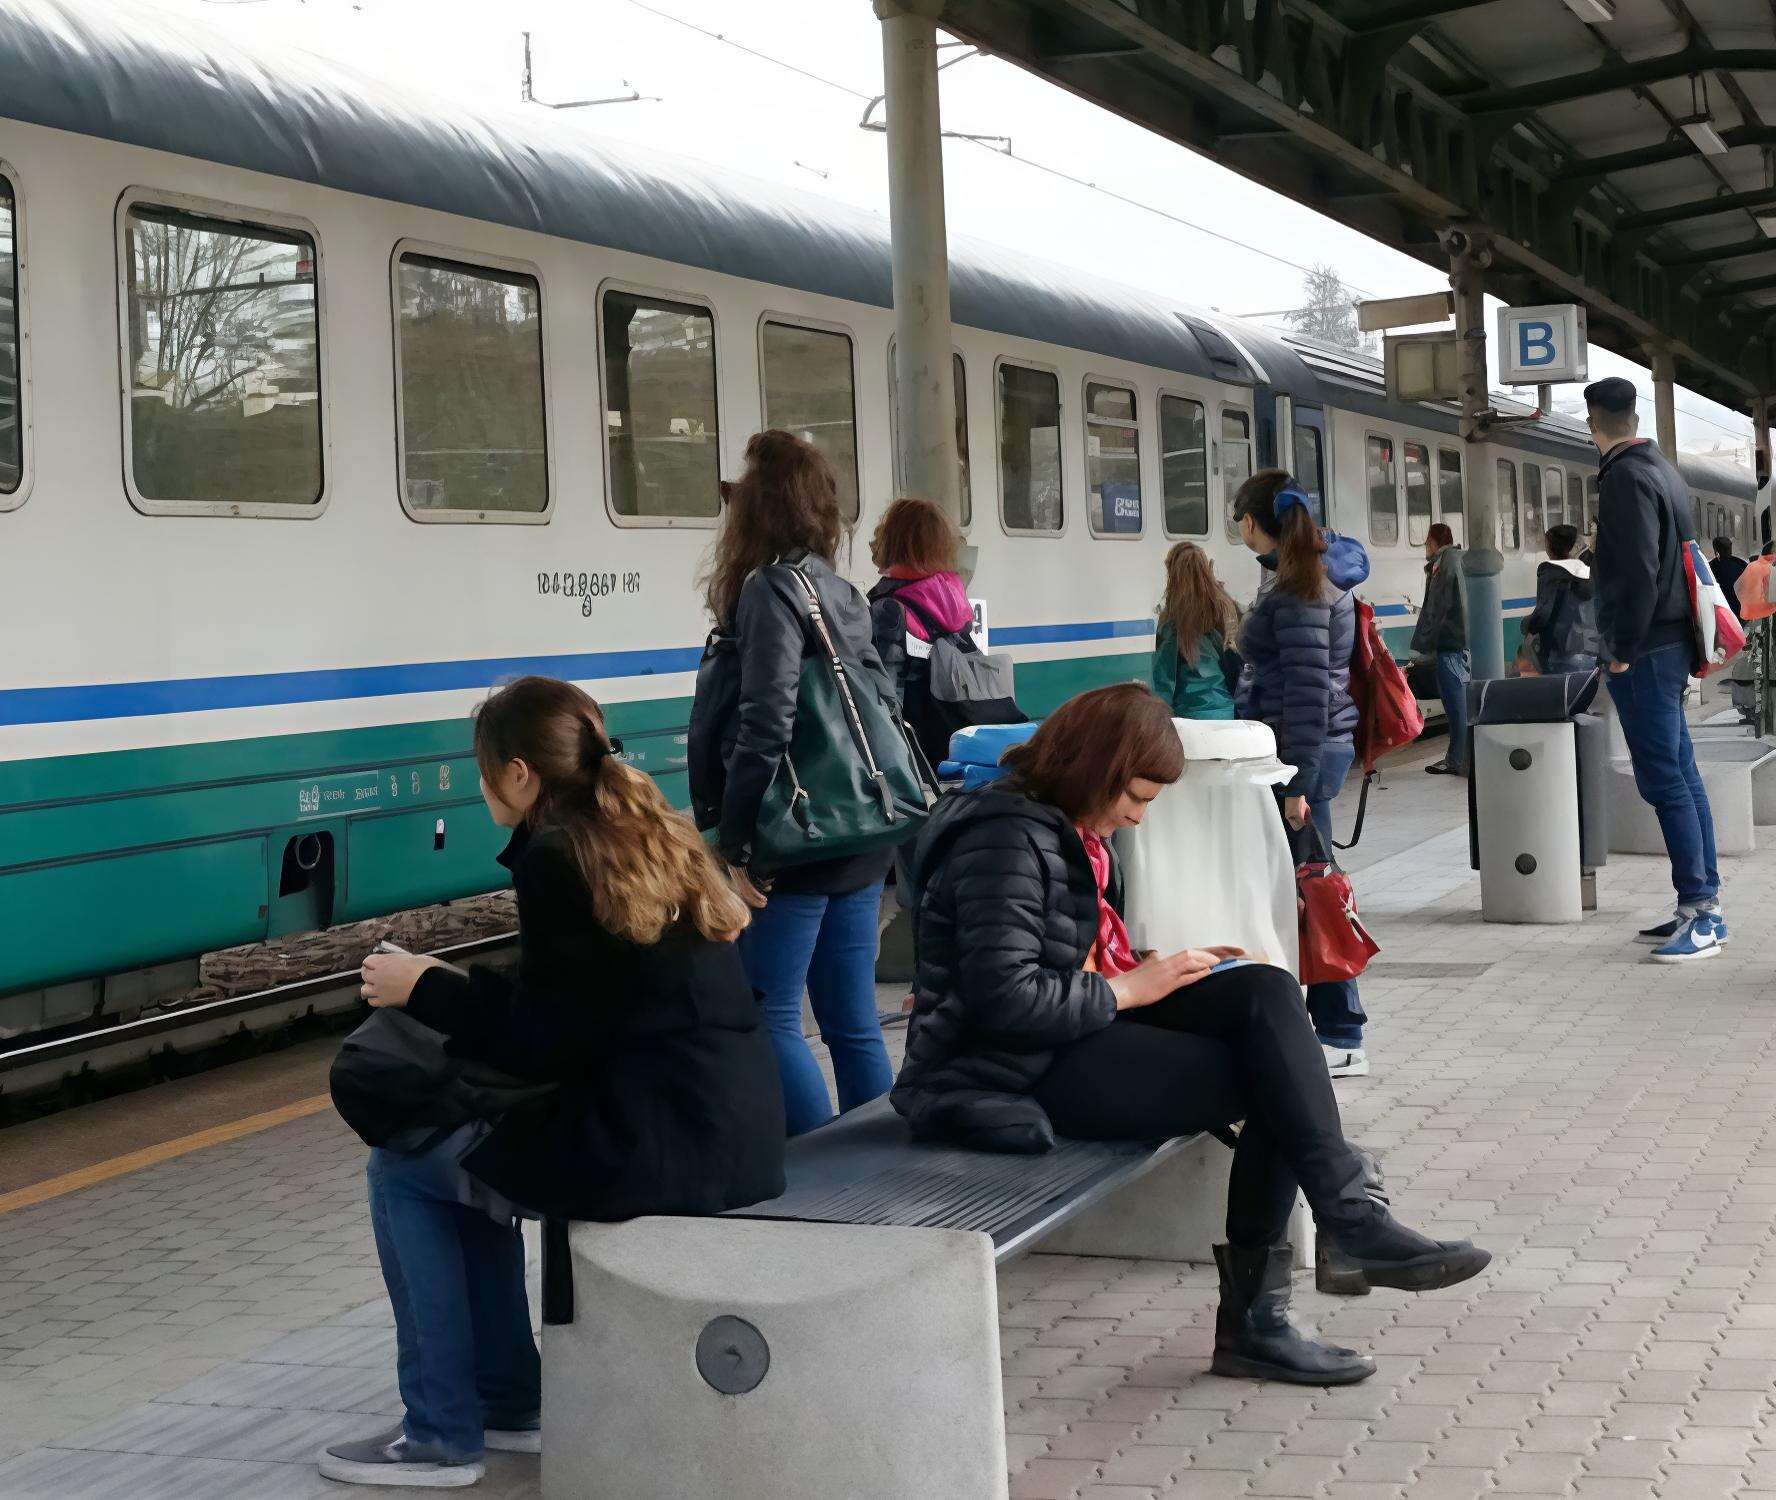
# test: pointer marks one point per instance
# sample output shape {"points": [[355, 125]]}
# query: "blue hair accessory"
{"points": [[1288, 495]]}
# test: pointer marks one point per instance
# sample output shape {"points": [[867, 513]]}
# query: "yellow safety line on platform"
{"points": [[149, 1156]]}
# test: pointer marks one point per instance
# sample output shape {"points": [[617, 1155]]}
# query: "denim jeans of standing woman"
{"points": [[1336, 1008], [824, 946]]}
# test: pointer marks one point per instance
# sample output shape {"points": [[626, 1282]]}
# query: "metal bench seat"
{"points": [[865, 1168]]}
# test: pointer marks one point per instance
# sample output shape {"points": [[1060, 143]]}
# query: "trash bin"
{"points": [[1210, 862], [1538, 796]]}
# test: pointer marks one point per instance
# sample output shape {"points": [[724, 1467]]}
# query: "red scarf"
{"points": [[1112, 953]]}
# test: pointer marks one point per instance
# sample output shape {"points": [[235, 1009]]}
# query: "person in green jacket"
{"points": [[1197, 621]]}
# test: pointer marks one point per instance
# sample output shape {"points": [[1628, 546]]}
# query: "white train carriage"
{"points": [[323, 408]]}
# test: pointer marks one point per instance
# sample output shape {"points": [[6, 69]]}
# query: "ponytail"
{"points": [[1277, 508]]}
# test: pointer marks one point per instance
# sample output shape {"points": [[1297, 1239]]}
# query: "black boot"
{"points": [[1342, 1279], [1254, 1339], [1359, 1238]]}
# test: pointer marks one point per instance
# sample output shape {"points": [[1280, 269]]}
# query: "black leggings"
{"points": [[1237, 1045]]}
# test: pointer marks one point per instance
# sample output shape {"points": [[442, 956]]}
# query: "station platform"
{"points": [[202, 1323]]}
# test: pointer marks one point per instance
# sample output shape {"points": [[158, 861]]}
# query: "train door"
{"points": [[1307, 459]]}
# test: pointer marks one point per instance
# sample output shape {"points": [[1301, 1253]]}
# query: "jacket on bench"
{"points": [[1006, 913]]}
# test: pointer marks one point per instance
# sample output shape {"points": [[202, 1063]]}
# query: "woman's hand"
{"points": [[1158, 976], [1295, 811], [389, 977]]}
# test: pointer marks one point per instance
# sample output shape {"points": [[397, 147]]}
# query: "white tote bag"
{"points": [[1210, 863]]}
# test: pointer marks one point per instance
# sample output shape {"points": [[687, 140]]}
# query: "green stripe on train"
{"points": [[117, 860]]}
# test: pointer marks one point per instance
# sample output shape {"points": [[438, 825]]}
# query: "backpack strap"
{"points": [[1362, 811]]}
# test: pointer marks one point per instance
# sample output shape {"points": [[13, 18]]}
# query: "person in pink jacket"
{"points": [[919, 597]]}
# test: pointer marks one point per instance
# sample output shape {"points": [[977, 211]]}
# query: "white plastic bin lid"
{"points": [[1226, 739]]}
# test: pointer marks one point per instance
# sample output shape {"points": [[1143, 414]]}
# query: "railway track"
{"points": [[39, 1077]]}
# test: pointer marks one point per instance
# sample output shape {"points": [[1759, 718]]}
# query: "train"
{"points": [[325, 406]]}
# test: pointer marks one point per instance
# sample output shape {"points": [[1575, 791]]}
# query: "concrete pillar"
{"points": [[1482, 563], [925, 389], [1664, 397]]}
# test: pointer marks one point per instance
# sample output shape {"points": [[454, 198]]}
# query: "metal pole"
{"points": [[1763, 632], [925, 389], [1482, 565], [1664, 398]]}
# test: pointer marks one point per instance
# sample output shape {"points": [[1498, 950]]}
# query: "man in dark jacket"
{"points": [[1442, 636], [1646, 625], [1727, 571]]}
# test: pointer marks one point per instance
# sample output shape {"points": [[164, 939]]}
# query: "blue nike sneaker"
{"points": [[1694, 939], [1664, 932]]}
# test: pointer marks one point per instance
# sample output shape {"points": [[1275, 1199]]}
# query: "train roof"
{"points": [[123, 72]]}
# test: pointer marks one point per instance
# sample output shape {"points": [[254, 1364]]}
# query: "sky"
{"points": [[722, 84]]}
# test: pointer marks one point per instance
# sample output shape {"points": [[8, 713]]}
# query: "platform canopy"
{"points": [[1621, 163]]}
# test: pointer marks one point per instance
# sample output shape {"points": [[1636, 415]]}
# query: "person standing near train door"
{"points": [[1646, 623], [1442, 637]]}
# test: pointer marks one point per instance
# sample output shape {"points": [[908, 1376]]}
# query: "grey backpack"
{"points": [[959, 687]]}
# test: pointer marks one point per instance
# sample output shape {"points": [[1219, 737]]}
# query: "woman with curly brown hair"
{"points": [[816, 932]]}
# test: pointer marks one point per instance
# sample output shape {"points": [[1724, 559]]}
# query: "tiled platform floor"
{"points": [[1605, 1125]]}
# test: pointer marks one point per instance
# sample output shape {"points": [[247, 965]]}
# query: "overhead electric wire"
{"points": [[1031, 162]]}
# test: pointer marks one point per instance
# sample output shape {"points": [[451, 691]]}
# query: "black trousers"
{"points": [[1237, 1045]]}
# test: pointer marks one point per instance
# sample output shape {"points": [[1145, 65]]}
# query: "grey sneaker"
{"points": [[1346, 1062], [389, 1458]]}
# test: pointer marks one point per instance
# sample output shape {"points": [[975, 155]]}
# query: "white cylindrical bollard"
{"points": [[1526, 803]]}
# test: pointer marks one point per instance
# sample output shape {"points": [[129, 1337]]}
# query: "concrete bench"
{"points": [[1739, 775], [842, 1342]]}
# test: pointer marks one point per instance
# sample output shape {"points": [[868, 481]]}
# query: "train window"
{"points": [[1184, 465], [1112, 461], [660, 417], [1384, 495], [1509, 528], [1451, 499], [1553, 489], [222, 342], [1310, 470], [1575, 503], [1236, 459], [810, 389], [469, 368], [963, 482], [1591, 501], [12, 426], [1533, 524], [1030, 450], [1418, 493]]}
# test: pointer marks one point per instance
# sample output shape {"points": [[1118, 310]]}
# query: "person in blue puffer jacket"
{"points": [[1297, 642]]}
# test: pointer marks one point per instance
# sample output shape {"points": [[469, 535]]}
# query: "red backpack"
{"points": [[1388, 716]]}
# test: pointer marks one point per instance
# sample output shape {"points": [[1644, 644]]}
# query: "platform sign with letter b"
{"points": [[1542, 345]]}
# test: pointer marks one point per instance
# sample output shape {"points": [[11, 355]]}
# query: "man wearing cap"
{"points": [[1645, 620]]}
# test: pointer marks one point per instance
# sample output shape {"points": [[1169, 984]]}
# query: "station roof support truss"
{"points": [[1397, 118]]}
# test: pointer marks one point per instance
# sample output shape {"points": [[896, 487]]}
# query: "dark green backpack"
{"points": [[853, 778]]}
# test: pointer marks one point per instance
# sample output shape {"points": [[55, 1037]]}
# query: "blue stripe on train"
{"points": [[183, 695]]}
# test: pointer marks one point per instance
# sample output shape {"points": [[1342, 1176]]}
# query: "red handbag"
{"points": [[1334, 943]]}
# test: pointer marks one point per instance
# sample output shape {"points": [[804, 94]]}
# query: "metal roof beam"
{"points": [[1762, 245], [1697, 208], [1520, 98], [1414, 12], [1587, 170], [1728, 290]]}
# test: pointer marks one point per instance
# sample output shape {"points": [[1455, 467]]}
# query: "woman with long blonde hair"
{"points": [[629, 995], [1198, 622]]}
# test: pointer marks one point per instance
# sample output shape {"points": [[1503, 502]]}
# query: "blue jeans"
{"points": [[1336, 1009], [1649, 702], [464, 1356], [825, 946], [1452, 688]]}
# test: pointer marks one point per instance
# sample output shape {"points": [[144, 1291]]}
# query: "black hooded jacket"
{"points": [[669, 1100], [1006, 912], [1643, 520]]}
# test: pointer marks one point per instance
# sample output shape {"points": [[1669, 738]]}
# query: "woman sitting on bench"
{"points": [[1033, 1017]]}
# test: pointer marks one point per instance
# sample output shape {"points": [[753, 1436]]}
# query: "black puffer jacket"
{"points": [[1297, 676], [1007, 910], [1643, 520], [744, 714]]}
